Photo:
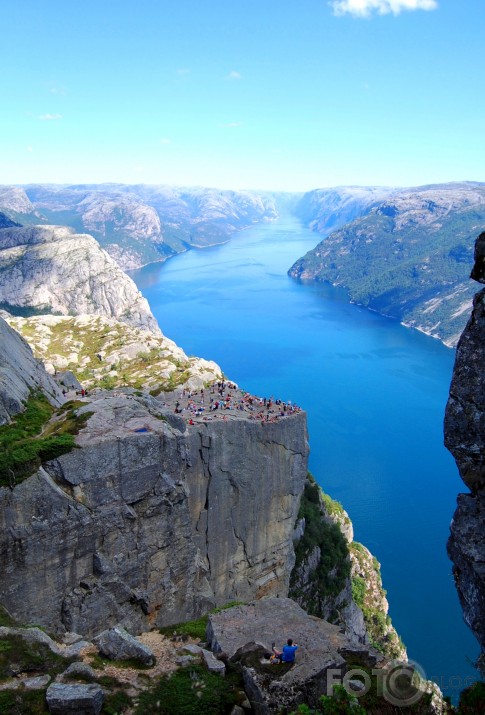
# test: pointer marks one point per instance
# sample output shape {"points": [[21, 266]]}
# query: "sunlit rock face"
{"points": [[51, 269], [151, 522]]}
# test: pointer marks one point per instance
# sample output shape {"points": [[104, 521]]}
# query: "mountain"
{"points": [[51, 269], [407, 257], [326, 209], [138, 224]]}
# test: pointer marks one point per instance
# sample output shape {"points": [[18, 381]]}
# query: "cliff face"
{"points": [[50, 269], [20, 373], [465, 438], [150, 523]]}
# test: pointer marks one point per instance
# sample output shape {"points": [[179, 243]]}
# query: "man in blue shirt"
{"points": [[287, 655]]}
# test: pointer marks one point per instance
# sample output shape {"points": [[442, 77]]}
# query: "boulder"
{"points": [[118, 644], [76, 699], [245, 634], [79, 670], [212, 664]]}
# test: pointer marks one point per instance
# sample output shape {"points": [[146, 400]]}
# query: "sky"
{"points": [[242, 94]]}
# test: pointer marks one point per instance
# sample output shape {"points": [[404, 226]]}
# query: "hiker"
{"points": [[287, 655]]}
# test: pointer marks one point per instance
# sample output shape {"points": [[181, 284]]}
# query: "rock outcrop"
{"points": [[51, 269], [20, 373], [465, 438], [150, 522], [103, 352]]}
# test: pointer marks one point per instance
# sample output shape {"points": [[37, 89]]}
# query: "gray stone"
{"points": [[192, 649], [79, 669], [465, 438], [237, 710], [33, 635], [212, 663], [246, 633], [185, 660], [71, 560], [118, 644], [36, 683], [75, 649], [20, 373], [76, 699], [71, 638], [41, 268]]}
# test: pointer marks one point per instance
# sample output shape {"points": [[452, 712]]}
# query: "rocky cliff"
{"points": [[407, 257], [465, 438], [51, 269], [150, 521], [20, 373]]}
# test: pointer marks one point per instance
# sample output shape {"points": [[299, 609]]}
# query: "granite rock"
{"points": [[465, 438], [76, 699], [118, 644]]}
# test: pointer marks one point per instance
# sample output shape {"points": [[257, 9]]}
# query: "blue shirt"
{"points": [[288, 654]]}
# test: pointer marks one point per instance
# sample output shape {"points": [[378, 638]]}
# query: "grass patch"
{"points": [[25, 444], [116, 703], [191, 691], [5, 619], [98, 662], [196, 628], [19, 656], [21, 702]]}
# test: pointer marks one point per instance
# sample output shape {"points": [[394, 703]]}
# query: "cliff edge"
{"points": [[465, 438]]}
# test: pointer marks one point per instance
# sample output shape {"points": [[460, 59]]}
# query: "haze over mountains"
{"points": [[402, 252]]}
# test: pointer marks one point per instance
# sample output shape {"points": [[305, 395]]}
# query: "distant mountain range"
{"points": [[138, 224], [406, 253]]}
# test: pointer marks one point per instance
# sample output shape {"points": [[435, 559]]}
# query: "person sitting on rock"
{"points": [[287, 655]]}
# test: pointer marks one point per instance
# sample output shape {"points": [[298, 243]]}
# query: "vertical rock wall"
{"points": [[465, 438], [152, 527]]}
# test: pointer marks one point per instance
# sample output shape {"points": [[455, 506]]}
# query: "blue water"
{"points": [[375, 394]]}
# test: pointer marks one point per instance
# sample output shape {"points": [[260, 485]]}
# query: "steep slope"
{"points": [[103, 352], [20, 373], [139, 224], [50, 269], [465, 438], [407, 257]]}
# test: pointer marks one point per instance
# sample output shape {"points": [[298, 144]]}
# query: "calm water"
{"points": [[375, 394]]}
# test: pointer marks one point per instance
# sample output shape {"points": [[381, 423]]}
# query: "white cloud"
{"points": [[364, 8], [183, 70], [231, 125], [50, 117], [234, 75], [165, 141], [30, 148]]}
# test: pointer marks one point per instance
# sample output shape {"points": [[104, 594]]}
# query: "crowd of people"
{"points": [[224, 399]]}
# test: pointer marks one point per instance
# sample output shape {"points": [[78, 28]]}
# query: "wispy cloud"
{"points": [[364, 8], [30, 148], [50, 117], [183, 70], [230, 125], [234, 75], [165, 140]]}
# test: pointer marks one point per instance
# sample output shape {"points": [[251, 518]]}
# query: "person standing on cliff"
{"points": [[287, 655]]}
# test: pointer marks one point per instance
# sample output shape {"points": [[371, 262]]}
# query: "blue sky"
{"points": [[243, 93]]}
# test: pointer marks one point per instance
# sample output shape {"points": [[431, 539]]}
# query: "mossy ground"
{"points": [[32, 439]]}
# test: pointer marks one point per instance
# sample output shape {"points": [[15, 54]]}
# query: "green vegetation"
{"points": [[330, 576], [472, 699], [23, 445], [5, 619], [19, 656], [197, 627], [21, 702], [340, 703], [368, 594], [191, 691], [395, 271]]}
